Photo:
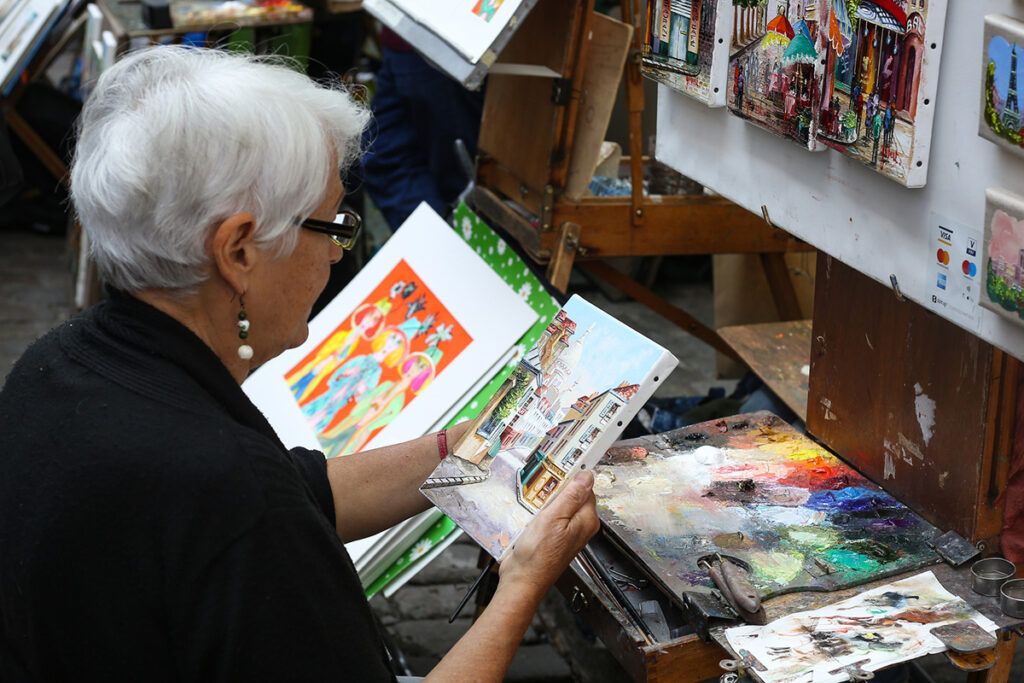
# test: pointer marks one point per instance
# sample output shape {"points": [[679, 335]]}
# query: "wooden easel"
{"points": [[527, 152]]}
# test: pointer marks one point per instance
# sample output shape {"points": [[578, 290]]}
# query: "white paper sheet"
{"points": [[873, 630]]}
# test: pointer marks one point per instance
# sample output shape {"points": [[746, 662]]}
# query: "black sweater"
{"points": [[153, 527]]}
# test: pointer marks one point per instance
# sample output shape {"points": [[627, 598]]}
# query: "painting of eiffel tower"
{"points": [[1001, 118]]}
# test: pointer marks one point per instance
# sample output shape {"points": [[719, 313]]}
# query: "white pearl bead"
{"points": [[245, 352], [243, 325]]}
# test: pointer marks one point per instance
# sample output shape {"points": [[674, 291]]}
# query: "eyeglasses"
{"points": [[344, 231]]}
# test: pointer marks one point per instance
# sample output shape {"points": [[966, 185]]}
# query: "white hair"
{"points": [[174, 140]]}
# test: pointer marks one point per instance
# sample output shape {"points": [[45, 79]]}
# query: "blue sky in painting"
{"points": [[999, 52], [611, 353]]}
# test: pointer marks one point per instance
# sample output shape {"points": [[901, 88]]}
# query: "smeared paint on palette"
{"points": [[753, 488]]}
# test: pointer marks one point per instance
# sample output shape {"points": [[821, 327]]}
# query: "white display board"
{"points": [[845, 209]]}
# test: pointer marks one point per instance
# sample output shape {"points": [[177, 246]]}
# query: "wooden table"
{"points": [[778, 353], [125, 18]]}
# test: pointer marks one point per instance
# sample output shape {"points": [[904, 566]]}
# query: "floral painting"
{"points": [[391, 347], [1004, 255]]}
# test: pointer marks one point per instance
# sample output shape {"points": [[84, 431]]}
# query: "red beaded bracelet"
{"points": [[442, 443]]}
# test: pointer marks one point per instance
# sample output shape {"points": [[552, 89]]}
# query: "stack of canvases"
{"points": [[404, 350], [856, 76]]}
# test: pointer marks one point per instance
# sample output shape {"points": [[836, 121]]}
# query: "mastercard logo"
{"points": [[970, 270], [943, 257]]}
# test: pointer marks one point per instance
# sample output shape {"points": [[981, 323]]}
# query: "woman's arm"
{"points": [[377, 489], [540, 556]]}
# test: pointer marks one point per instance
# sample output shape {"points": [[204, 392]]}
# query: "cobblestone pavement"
{"points": [[35, 294]]}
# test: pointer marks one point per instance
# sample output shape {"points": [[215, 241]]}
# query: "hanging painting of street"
{"points": [[773, 75], [1003, 255], [567, 401], [858, 76], [685, 47], [1000, 99], [881, 61]]}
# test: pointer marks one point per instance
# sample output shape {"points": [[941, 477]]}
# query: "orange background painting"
{"points": [[377, 361]]}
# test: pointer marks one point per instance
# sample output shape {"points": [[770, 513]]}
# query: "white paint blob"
{"points": [[925, 409]]}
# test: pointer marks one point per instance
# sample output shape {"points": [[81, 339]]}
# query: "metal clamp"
{"points": [[578, 602]]}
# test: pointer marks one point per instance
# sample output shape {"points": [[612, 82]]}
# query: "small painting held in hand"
{"points": [[386, 353]]}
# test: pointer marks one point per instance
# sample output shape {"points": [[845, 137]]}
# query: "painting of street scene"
{"points": [[1000, 107], [772, 78], [1004, 255], [578, 387], [376, 362], [875, 66], [680, 48]]}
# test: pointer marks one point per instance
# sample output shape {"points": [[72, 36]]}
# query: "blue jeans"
{"points": [[418, 114]]}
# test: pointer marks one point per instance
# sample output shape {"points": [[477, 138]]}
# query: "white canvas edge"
{"points": [[924, 123], [416, 567], [666, 364], [1008, 25], [719, 74], [492, 337]]}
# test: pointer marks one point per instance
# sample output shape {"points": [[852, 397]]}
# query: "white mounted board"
{"points": [[844, 208], [461, 37]]}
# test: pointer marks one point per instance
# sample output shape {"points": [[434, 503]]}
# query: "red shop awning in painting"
{"points": [[885, 13]]}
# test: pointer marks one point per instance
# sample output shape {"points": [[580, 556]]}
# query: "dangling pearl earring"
{"points": [[244, 351]]}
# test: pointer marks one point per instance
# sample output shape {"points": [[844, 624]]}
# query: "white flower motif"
{"points": [[420, 549], [525, 290], [467, 228], [501, 246], [510, 261], [441, 333]]}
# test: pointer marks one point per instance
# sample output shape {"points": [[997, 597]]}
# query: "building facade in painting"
{"points": [[558, 451]]}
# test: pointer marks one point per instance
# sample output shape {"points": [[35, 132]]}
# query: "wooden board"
{"points": [[752, 488], [907, 398], [778, 353], [609, 44], [521, 125]]}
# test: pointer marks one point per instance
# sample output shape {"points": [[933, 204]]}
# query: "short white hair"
{"points": [[174, 140]]}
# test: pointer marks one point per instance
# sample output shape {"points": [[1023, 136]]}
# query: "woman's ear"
{"points": [[233, 250]]}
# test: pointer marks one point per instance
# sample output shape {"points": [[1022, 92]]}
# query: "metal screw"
{"points": [[639, 213]]}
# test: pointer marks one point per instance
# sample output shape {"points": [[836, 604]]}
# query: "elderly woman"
{"points": [[152, 525]]}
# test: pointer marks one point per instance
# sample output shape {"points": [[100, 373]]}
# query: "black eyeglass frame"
{"points": [[343, 233]]}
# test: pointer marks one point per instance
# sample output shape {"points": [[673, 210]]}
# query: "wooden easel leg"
{"points": [[53, 163], [643, 295], [777, 272], [560, 266], [1000, 673]]}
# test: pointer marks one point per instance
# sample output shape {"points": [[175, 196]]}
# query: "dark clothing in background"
{"points": [[154, 528], [418, 113]]}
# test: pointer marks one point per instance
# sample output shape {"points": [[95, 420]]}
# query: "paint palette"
{"points": [[754, 489]]}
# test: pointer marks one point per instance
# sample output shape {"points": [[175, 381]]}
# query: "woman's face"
{"points": [[285, 290]]}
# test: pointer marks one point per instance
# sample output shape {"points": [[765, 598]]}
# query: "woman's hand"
{"points": [[554, 538]]}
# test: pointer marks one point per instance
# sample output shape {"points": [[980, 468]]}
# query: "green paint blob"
{"points": [[813, 537], [776, 568], [849, 560]]}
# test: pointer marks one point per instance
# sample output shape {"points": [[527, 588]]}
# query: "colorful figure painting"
{"points": [[754, 489], [570, 397], [1003, 255], [880, 62], [486, 8], [870, 631], [1000, 96], [392, 346]]}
